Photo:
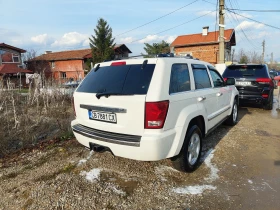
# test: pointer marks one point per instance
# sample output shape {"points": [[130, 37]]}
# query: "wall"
{"points": [[72, 69], [206, 53]]}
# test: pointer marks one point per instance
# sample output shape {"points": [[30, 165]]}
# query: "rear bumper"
{"points": [[149, 147], [252, 99]]}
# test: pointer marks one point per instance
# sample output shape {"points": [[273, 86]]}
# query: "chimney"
{"points": [[205, 30], [47, 52]]}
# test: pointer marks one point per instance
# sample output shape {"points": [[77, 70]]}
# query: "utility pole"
{"points": [[232, 56], [221, 31], [263, 45]]}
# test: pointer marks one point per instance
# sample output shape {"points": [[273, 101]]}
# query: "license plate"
{"points": [[102, 116], [243, 83]]}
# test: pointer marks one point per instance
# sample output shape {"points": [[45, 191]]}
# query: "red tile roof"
{"points": [[73, 54], [65, 55], [12, 69], [194, 39], [3, 45]]}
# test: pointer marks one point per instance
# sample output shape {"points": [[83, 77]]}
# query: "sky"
{"points": [[59, 25]]}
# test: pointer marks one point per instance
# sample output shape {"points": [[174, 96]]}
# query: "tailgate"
{"points": [[117, 114]]}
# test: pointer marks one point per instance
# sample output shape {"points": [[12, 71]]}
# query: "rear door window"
{"points": [[201, 76], [125, 79], [179, 79], [256, 71]]}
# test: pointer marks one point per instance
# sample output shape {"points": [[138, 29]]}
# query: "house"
{"points": [[68, 65], [205, 45], [11, 68]]}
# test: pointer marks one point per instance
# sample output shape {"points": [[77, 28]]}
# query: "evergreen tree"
{"points": [[102, 44], [156, 48]]}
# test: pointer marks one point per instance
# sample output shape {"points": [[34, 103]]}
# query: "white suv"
{"points": [[154, 108]]}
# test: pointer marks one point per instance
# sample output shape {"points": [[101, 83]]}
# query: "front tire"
{"points": [[189, 156]]}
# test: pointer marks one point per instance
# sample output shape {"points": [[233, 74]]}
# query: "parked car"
{"points": [[273, 74], [253, 83], [152, 109]]}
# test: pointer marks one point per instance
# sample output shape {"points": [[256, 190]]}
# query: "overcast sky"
{"points": [[67, 24]]}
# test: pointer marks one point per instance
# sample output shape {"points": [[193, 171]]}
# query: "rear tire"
{"points": [[232, 120], [189, 156], [269, 103]]}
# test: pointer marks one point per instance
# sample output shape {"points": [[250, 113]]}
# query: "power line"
{"points": [[253, 10], [254, 20], [174, 26], [156, 19], [243, 32]]}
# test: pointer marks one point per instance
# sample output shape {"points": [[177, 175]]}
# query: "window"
{"points": [[246, 71], [179, 79], [201, 76], [53, 64], [15, 58], [217, 79], [63, 75], [125, 79]]}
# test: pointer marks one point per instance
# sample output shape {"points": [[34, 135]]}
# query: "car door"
{"points": [[223, 94], [205, 94]]}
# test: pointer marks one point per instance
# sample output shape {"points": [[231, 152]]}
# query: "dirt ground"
{"points": [[240, 170]]}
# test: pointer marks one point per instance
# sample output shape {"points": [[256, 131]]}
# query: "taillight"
{"points": [[73, 104], [265, 95], [225, 79], [265, 81], [121, 63], [155, 114]]}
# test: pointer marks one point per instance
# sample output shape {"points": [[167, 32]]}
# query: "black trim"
{"points": [[103, 109], [219, 114], [115, 138], [217, 125]]}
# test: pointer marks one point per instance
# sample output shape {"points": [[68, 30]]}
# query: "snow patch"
{"points": [[92, 175], [160, 170], [213, 168], [250, 181], [116, 190], [194, 190], [82, 161]]}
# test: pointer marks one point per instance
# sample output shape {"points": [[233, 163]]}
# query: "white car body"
{"points": [[128, 137]]}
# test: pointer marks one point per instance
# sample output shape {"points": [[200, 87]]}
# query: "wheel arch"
{"points": [[198, 120]]}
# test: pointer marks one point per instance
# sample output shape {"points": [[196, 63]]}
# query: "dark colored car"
{"points": [[253, 83]]}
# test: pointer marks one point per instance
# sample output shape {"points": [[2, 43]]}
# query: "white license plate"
{"points": [[102, 116], [243, 83]]}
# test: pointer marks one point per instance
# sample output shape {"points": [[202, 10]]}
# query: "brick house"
{"points": [[66, 65], [11, 67], [204, 46]]}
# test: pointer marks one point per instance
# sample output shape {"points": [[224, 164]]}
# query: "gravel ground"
{"points": [[240, 170]]}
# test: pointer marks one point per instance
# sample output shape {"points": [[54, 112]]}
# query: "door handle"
{"points": [[219, 94], [202, 98]]}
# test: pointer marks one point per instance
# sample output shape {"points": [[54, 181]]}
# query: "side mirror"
{"points": [[230, 81]]}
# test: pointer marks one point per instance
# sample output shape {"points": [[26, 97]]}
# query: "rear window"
{"points": [[246, 71], [125, 79]]}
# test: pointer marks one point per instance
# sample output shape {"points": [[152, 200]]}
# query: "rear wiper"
{"points": [[248, 75], [99, 95]]}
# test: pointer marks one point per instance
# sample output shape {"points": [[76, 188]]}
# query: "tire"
{"points": [[232, 120], [269, 104], [189, 156]]}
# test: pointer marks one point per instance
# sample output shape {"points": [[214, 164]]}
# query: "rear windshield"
{"points": [[246, 71], [125, 79]]}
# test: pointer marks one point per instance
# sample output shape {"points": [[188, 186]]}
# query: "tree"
{"points": [[244, 59], [156, 48], [102, 44]]}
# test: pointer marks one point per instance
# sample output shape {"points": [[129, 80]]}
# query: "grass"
{"points": [[65, 170]]}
